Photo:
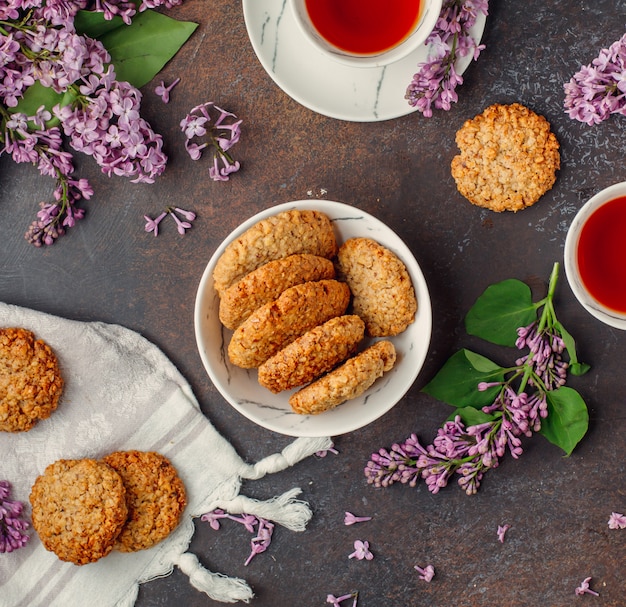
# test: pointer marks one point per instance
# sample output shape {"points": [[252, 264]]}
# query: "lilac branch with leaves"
{"points": [[495, 406]]}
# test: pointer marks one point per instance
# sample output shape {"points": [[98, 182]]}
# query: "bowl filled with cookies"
{"points": [[313, 318]]}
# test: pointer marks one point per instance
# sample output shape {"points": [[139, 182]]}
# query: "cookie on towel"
{"points": [[78, 509], [312, 354], [155, 496], [508, 160], [266, 283], [346, 382], [280, 235], [30, 380], [383, 294], [277, 323]]}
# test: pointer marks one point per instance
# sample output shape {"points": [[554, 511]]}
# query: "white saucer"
{"points": [[326, 86], [241, 388]]}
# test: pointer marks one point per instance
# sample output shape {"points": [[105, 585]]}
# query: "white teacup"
{"points": [[594, 255], [415, 33]]}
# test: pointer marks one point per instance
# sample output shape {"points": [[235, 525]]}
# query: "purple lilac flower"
{"points": [[502, 529], [12, 527], [436, 80], [617, 521], [264, 529], [222, 130], [152, 225], [598, 90], [262, 540], [545, 355], [336, 601], [325, 452], [361, 551], [427, 573], [350, 519], [164, 91], [584, 588]]}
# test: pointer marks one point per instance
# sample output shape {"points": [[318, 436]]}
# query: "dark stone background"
{"points": [[109, 269]]}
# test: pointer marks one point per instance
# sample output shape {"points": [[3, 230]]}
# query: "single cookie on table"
{"points": [[275, 237], [346, 382], [382, 291], [277, 323], [266, 283], [508, 160], [78, 509], [31, 383], [155, 496], [312, 354]]}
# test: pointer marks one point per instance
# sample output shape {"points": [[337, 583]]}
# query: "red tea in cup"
{"points": [[601, 254], [364, 27]]}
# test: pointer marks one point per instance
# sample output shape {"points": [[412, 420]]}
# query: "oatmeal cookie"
{"points": [[279, 322], [383, 294], [312, 354], [155, 496], [266, 283], [278, 236], [347, 381], [30, 380], [508, 160], [78, 509]]}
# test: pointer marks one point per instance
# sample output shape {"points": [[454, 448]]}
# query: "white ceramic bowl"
{"points": [[272, 411], [429, 13], [592, 305]]}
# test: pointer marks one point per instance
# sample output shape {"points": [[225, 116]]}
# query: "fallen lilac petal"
{"points": [[361, 551], [584, 588], [617, 521], [152, 225], [502, 529], [427, 573], [261, 542], [213, 517], [164, 91], [336, 601], [190, 216], [325, 452], [351, 519]]}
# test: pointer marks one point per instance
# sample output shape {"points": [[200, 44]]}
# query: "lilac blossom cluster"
{"points": [[598, 90], [222, 131], [434, 84], [471, 450], [99, 116], [262, 527], [12, 527]]}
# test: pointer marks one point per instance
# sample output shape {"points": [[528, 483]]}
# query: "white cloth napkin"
{"points": [[121, 392]]}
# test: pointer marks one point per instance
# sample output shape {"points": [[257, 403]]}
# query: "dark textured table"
{"points": [[107, 268]]}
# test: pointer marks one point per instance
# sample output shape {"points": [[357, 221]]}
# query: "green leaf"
{"points": [[457, 381], [568, 418], [37, 95], [140, 50], [94, 25], [575, 367], [471, 416], [500, 311]]}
